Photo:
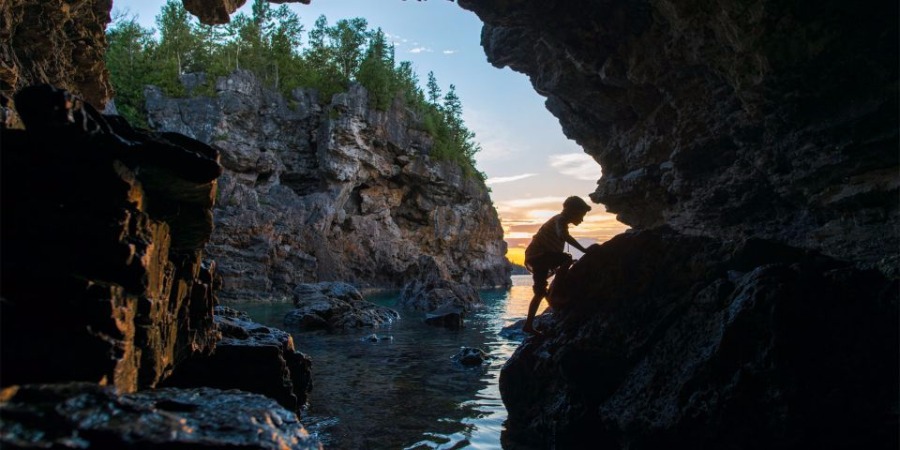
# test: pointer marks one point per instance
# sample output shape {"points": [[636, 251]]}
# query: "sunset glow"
{"points": [[521, 218]]}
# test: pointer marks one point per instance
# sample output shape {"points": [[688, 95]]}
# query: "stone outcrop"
{"points": [[335, 192], [335, 306], [277, 369], [82, 415], [732, 119], [711, 345], [103, 281], [103, 229]]}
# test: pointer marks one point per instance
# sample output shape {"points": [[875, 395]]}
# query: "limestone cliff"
{"points": [[335, 192]]}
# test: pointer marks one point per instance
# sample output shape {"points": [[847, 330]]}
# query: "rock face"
{"points": [[82, 415], [102, 232], [718, 123], [277, 370], [726, 119], [335, 192], [711, 345], [63, 45]]}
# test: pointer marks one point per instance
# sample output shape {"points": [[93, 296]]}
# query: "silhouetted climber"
{"points": [[544, 255]]}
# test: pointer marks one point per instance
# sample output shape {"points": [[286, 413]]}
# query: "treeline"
{"points": [[270, 42]]}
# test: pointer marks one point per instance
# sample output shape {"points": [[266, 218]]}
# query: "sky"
{"points": [[531, 166]]}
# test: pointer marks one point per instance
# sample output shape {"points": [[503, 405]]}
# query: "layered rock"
{"points": [[102, 232], [63, 44], [335, 192], [711, 345], [82, 415], [724, 119]]}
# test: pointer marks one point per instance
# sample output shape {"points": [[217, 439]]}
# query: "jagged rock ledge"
{"points": [[84, 415]]}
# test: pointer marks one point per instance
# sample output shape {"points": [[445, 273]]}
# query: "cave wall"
{"points": [[57, 42], [724, 119]]}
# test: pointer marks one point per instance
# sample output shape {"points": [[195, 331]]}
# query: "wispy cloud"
{"points": [[576, 165], [449, 52], [499, 180], [420, 50]]}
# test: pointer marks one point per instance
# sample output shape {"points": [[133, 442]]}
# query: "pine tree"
{"points": [[434, 91], [376, 71], [128, 63]]}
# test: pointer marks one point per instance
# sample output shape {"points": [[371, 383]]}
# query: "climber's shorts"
{"points": [[543, 266]]}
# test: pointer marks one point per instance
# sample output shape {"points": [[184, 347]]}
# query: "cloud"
{"points": [[576, 165], [420, 50], [449, 52], [499, 180]]}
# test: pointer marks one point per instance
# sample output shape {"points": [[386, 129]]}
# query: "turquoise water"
{"points": [[404, 392]]}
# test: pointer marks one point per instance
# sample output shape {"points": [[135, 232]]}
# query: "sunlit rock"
{"points": [[102, 234]]}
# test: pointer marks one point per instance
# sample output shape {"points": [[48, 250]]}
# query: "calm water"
{"points": [[406, 393]]}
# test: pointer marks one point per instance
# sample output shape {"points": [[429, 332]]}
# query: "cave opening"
{"points": [[527, 162]]}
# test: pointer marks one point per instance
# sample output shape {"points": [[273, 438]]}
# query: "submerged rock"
{"points": [[83, 415], [335, 306], [448, 317], [471, 357], [514, 331], [251, 357]]}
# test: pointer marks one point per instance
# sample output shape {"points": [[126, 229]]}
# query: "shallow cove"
{"points": [[405, 392]]}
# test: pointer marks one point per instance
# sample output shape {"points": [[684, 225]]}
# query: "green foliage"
{"points": [[269, 43]]}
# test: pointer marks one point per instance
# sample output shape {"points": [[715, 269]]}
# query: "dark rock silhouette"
{"points": [[94, 253], [755, 143], [471, 357], [740, 119], [447, 317], [104, 282], [755, 345], [84, 415], [278, 371]]}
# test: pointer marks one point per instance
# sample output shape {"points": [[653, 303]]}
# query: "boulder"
{"points": [[447, 316], [687, 342], [335, 306], [84, 415], [471, 357], [514, 331], [250, 357]]}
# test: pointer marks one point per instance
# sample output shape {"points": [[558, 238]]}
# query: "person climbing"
{"points": [[544, 255]]}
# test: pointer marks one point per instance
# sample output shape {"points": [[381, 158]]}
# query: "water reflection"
{"points": [[406, 392]]}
